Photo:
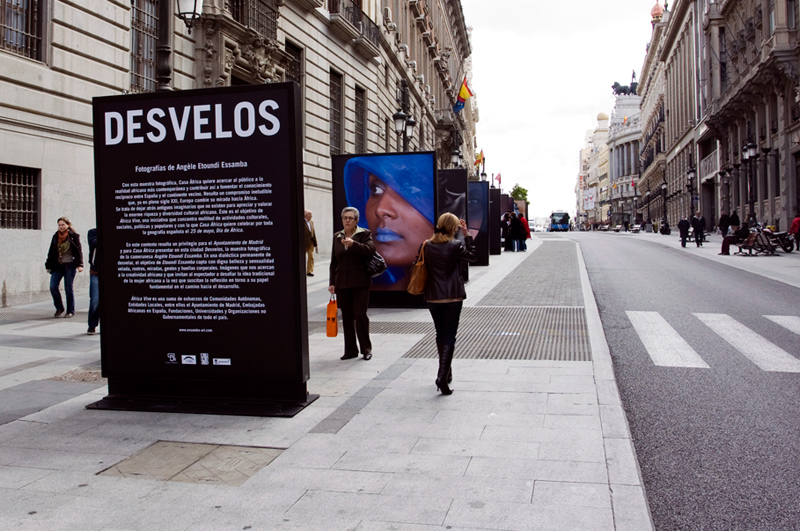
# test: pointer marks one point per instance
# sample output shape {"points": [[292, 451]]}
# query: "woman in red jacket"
{"points": [[795, 229]]}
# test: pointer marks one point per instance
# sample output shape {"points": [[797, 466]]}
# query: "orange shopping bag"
{"points": [[332, 327]]}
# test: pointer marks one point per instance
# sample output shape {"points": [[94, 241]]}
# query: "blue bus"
{"points": [[559, 222]]}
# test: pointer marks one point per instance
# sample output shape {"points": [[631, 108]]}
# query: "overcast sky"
{"points": [[542, 71]]}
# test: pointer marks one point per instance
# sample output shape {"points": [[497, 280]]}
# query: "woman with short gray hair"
{"points": [[350, 282]]}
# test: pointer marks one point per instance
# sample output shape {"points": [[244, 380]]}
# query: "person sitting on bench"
{"points": [[738, 236]]}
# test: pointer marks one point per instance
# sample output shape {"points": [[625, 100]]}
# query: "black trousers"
{"points": [[445, 319], [353, 303]]}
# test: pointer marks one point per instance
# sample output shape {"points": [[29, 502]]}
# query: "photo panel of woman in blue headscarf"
{"points": [[396, 195]]}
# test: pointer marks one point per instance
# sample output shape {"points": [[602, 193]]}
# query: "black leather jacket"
{"points": [[52, 252], [443, 262]]}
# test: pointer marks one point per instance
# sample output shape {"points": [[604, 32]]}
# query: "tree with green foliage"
{"points": [[519, 193]]}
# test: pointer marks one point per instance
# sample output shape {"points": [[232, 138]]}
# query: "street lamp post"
{"points": [[690, 174], [664, 204], [750, 156], [629, 202], [647, 200], [737, 178], [455, 156], [724, 179], [403, 121]]}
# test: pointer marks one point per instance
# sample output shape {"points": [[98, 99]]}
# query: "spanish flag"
{"points": [[463, 95], [479, 159]]}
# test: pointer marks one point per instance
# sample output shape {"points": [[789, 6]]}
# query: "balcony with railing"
{"points": [[346, 18], [369, 42], [311, 4], [260, 16], [709, 166]]}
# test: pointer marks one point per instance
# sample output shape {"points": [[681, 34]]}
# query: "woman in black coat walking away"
{"points": [[64, 259], [444, 288]]}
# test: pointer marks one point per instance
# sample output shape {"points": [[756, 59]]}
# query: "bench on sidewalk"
{"points": [[756, 243]]}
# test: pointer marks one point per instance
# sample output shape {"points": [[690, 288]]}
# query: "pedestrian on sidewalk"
{"points": [[350, 282], [699, 226], [444, 288], [795, 230], [94, 281], [735, 237], [310, 242], [505, 232], [527, 236], [515, 232], [724, 223], [683, 228], [735, 223], [64, 259]]}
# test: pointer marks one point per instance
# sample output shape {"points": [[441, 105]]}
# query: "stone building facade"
{"points": [[678, 54], [357, 62], [623, 160], [751, 90], [652, 149], [720, 77], [594, 172]]}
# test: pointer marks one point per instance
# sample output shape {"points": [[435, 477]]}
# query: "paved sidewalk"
{"points": [[533, 437], [781, 266]]}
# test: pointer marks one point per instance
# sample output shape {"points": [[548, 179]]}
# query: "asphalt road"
{"points": [[719, 446]]}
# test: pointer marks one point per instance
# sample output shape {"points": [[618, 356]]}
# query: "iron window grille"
{"points": [[361, 145], [144, 40], [21, 27], [336, 113], [19, 197], [294, 70]]}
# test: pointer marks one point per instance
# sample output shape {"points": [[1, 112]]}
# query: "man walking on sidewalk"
{"points": [[699, 226], [310, 242], [683, 228]]}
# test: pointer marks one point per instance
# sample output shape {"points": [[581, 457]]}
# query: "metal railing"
{"points": [[709, 165], [260, 16], [371, 31], [347, 9]]}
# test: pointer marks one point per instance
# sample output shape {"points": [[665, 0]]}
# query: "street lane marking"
{"points": [[789, 322], [664, 345], [766, 355]]}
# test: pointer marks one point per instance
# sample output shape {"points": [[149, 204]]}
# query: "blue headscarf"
{"points": [[410, 175]]}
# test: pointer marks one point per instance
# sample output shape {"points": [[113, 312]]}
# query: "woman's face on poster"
{"points": [[397, 228], [475, 217]]}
